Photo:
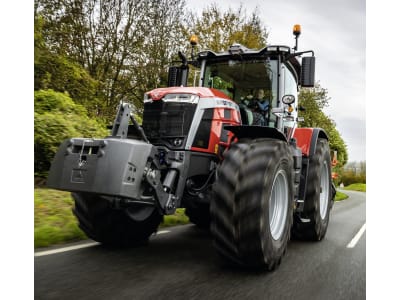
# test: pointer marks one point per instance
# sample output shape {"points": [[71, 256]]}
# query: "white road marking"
{"points": [[355, 239], [71, 248], [65, 249], [163, 231]]}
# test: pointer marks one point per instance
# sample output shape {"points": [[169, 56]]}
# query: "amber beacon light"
{"points": [[296, 30], [194, 40]]}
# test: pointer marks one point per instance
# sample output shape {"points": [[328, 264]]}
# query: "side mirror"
{"points": [[307, 71], [288, 99]]}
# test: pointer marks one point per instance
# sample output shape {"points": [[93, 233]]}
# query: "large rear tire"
{"points": [[252, 207], [110, 226], [312, 223]]}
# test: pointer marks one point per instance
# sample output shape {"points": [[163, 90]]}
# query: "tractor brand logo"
{"points": [[81, 163], [223, 102], [227, 103]]}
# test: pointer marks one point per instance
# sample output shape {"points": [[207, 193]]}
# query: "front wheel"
{"points": [[113, 227], [252, 207], [312, 224]]}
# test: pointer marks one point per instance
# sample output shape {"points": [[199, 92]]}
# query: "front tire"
{"points": [[252, 207], [109, 226], [312, 224]]}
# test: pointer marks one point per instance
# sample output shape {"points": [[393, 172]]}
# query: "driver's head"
{"points": [[260, 94]]}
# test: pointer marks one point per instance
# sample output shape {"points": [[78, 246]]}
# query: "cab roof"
{"points": [[238, 51]]}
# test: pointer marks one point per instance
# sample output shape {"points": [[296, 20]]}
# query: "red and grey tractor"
{"points": [[199, 148]]}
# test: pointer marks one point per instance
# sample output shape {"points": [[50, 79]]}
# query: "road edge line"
{"points": [[65, 249], [71, 248]]}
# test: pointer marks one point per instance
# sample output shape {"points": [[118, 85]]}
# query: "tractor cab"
{"points": [[264, 83], [251, 79]]}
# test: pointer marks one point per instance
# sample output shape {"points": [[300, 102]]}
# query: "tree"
{"points": [[314, 100], [218, 29], [124, 45], [59, 73]]}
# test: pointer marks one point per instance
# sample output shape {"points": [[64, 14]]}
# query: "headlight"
{"points": [[185, 98]]}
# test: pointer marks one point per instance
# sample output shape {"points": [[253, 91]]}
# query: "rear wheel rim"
{"points": [[278, 204], [324, 191]]}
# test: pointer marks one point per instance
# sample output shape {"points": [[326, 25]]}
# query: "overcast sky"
{"points": [[335, 30]]}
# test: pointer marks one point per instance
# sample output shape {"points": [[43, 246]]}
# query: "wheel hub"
{"points": [[278, 205], [324, 191]]}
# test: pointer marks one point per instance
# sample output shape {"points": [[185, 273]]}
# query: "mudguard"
{"points": [[307, 139]]}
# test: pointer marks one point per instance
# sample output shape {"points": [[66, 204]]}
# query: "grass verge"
{"points": [[360, 187], [55, 222], [340, 196]]}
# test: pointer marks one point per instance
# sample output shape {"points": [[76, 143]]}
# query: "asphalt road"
{"points": [[182, 264]]}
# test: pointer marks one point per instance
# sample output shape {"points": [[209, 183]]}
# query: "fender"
{"points": [[307, 139], [307, 142]]}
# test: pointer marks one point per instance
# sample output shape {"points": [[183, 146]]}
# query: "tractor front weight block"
{"points": [[120, 168]]}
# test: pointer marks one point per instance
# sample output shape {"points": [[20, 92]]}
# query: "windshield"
{"points": [[247, 82]]}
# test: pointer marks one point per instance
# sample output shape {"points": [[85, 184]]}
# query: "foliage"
{"points": [[218, 29], [349, 177], [123, 45], [54, 221], [360, 187], [57, 118], [59, 73], [340, 196], [179, 218], [314, 100]]}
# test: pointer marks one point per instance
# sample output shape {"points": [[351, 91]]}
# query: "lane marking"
{"points": [[355, 239], [65, 249], [71, 248], [163, 231]]}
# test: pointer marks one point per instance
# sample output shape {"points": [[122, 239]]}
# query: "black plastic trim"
{"points": [[248, 131], [317, 133]]}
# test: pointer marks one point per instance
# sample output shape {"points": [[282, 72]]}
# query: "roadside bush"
{"points": [[351, 177], [57, 118]]}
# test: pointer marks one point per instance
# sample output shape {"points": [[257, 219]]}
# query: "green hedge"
{"points": [[350, 177], [57, 118]]}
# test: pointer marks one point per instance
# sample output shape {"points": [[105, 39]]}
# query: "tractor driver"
{"points": [[262, 102], [259, 106]]}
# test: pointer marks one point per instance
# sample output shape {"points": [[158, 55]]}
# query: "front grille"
{"points": [[167, 120]]}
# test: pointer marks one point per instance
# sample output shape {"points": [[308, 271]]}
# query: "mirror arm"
{"points": [[289, 56]]}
